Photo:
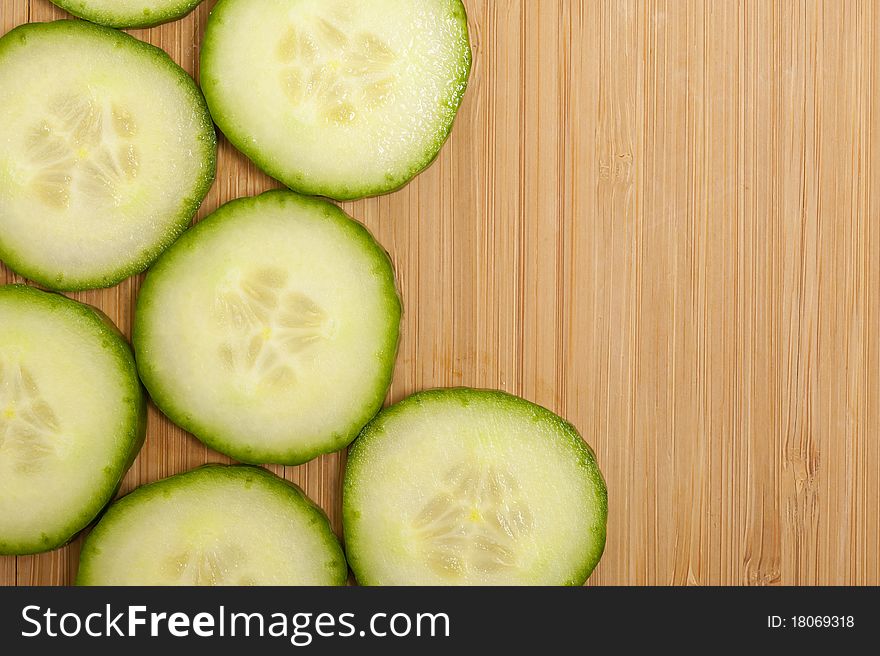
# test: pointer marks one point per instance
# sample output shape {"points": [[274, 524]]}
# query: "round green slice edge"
{"points": [[216, 525], [106, 153], [72, 417], [270, 329], [354, 98], [472, 487], [128, 13]]}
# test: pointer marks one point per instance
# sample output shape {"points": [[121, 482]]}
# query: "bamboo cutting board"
{"points": [[660, 219]]}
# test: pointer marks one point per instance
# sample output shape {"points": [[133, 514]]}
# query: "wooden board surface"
{"points": [[658, 218]]}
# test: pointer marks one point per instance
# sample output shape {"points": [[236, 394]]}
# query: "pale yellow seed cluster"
{"points": [[268, 325], [30, 426], [70, 149], [212, 565], [341, 74], [474, 524]]}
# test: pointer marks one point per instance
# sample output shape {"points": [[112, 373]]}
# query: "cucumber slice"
{"points": [[106, 152], [214, 526], [472, 487], [270, 329], [72, 417], [128, 13], [353, 98]]}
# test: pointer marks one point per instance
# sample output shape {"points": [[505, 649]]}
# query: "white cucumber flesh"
{"points": [[128, 13], [213, 526], [472, 487], [354, 97], [270, 329], [72, 417], [106, 152]]}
